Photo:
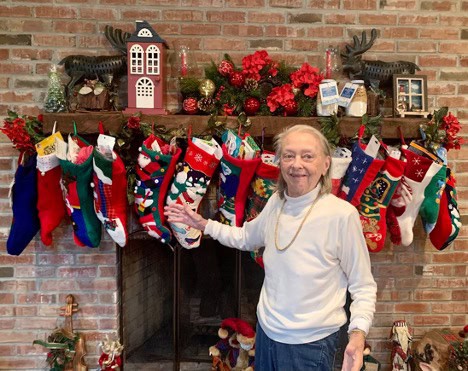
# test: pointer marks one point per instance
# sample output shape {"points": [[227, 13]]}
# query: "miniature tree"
{"points": [[55, 101]]}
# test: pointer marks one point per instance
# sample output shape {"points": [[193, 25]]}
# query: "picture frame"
{"points": [[410, 96]]}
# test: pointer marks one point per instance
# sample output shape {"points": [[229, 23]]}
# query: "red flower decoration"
{"points": [[280, 96], [451, 125], [307, 77], [133, 122], [258, 64], [16, 131]]}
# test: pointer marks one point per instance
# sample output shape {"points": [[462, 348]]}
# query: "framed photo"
{"points": [[410, 95]]}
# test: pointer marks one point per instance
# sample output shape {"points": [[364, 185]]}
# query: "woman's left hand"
{"points": [[353, 355]]}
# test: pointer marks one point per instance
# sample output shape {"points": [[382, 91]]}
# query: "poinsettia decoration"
{"points": [[261, 86], [442, 131], [23, 131]]}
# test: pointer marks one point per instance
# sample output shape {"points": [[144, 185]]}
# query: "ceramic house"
{"points": [[146, 53]]}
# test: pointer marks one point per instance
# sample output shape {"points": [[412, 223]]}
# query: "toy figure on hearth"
{"points": [[110, 359], [145, 70], [401, 339], [236, 348]]}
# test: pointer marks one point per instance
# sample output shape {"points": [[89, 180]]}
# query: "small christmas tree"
{"points": [[55, 101]]}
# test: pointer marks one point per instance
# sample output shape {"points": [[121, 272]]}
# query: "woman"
{"points": [[314, 251]]}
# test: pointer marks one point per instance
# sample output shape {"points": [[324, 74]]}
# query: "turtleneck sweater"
{"points": [[304, 291]]}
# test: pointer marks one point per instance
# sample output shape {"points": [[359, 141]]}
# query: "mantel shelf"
{"points": [[87, 123]]}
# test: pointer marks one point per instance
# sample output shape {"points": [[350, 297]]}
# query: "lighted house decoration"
{"points": [[146, 53]]}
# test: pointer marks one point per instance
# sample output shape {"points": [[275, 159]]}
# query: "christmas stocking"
{"points": [[190, 183], [25, 223], [154, 172], [340, 162], [360, 173], [235, 177], [374, 202], [50, 203], [110, 194], [77, 178], [448, 221], [430, 206], [419, 172]]}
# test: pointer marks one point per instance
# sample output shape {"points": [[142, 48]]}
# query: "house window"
{"points": [[144, 32], [152, 60], [136, 60]]}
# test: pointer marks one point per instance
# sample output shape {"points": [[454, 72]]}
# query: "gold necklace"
{"points": [[298, 230]]}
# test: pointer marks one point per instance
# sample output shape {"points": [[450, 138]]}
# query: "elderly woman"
{"points": [[314, 252]]}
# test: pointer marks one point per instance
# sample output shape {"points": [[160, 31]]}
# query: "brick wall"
{"points": [[417, 283]]}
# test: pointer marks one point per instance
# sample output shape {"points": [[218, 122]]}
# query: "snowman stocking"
{"points": [[360, 173], [340, 162], [110, 194], [235, 177], [25, 223], [190, 183], [430, 207], [374, 202], [418, 174], [154, 172], [77, 177], [448, 221], [50, 203]]}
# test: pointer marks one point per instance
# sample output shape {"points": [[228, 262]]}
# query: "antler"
{"points": [[360, 47], [117, 38]]}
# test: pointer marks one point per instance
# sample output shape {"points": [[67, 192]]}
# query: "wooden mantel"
{"points": [[87, 123]]}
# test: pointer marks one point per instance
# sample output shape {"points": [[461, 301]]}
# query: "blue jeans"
{"points": [[271, 355]]}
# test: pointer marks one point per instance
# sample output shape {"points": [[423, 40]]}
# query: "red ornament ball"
{"points": [[225, 68], [190, 106], [290, 108], [237, 79], [251, 106]]}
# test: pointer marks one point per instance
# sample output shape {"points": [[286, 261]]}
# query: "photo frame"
{"points": [[410, 95]]}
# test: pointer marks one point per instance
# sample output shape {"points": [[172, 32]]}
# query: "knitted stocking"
{"points": [[50, 203], [448, 221], [234, 181], [261, 187], [77, 178], [418, 174], [430, 206], [374, 202], [360, 173], [25, 223], [338, 169], [154, 173], [110, 195], [190, 183]]}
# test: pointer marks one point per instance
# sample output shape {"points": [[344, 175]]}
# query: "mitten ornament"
{"points": [[340, 162], [154, 171], [361, 172], [25, 223], [234, 182], [50, 204], [374, 202], [190, 183], [77, 177], [418, 174], [110, 194], [448, 221], [430, 206]]}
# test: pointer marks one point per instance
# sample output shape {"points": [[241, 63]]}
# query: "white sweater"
{"points": [[304, 290]]}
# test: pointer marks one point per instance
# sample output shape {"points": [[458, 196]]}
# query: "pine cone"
{"points": [[250, 84], [205, 104]]}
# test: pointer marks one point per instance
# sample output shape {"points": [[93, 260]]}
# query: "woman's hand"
{"points": [[177, 213], [353, 355]]}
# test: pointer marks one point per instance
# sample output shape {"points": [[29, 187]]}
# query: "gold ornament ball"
{"points": [[207, 88]]}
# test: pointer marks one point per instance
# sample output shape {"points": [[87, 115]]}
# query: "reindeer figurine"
{"points": [[372, 70], [104, 68]]}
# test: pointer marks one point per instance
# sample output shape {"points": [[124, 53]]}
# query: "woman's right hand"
{"points": [[177, 213]]}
